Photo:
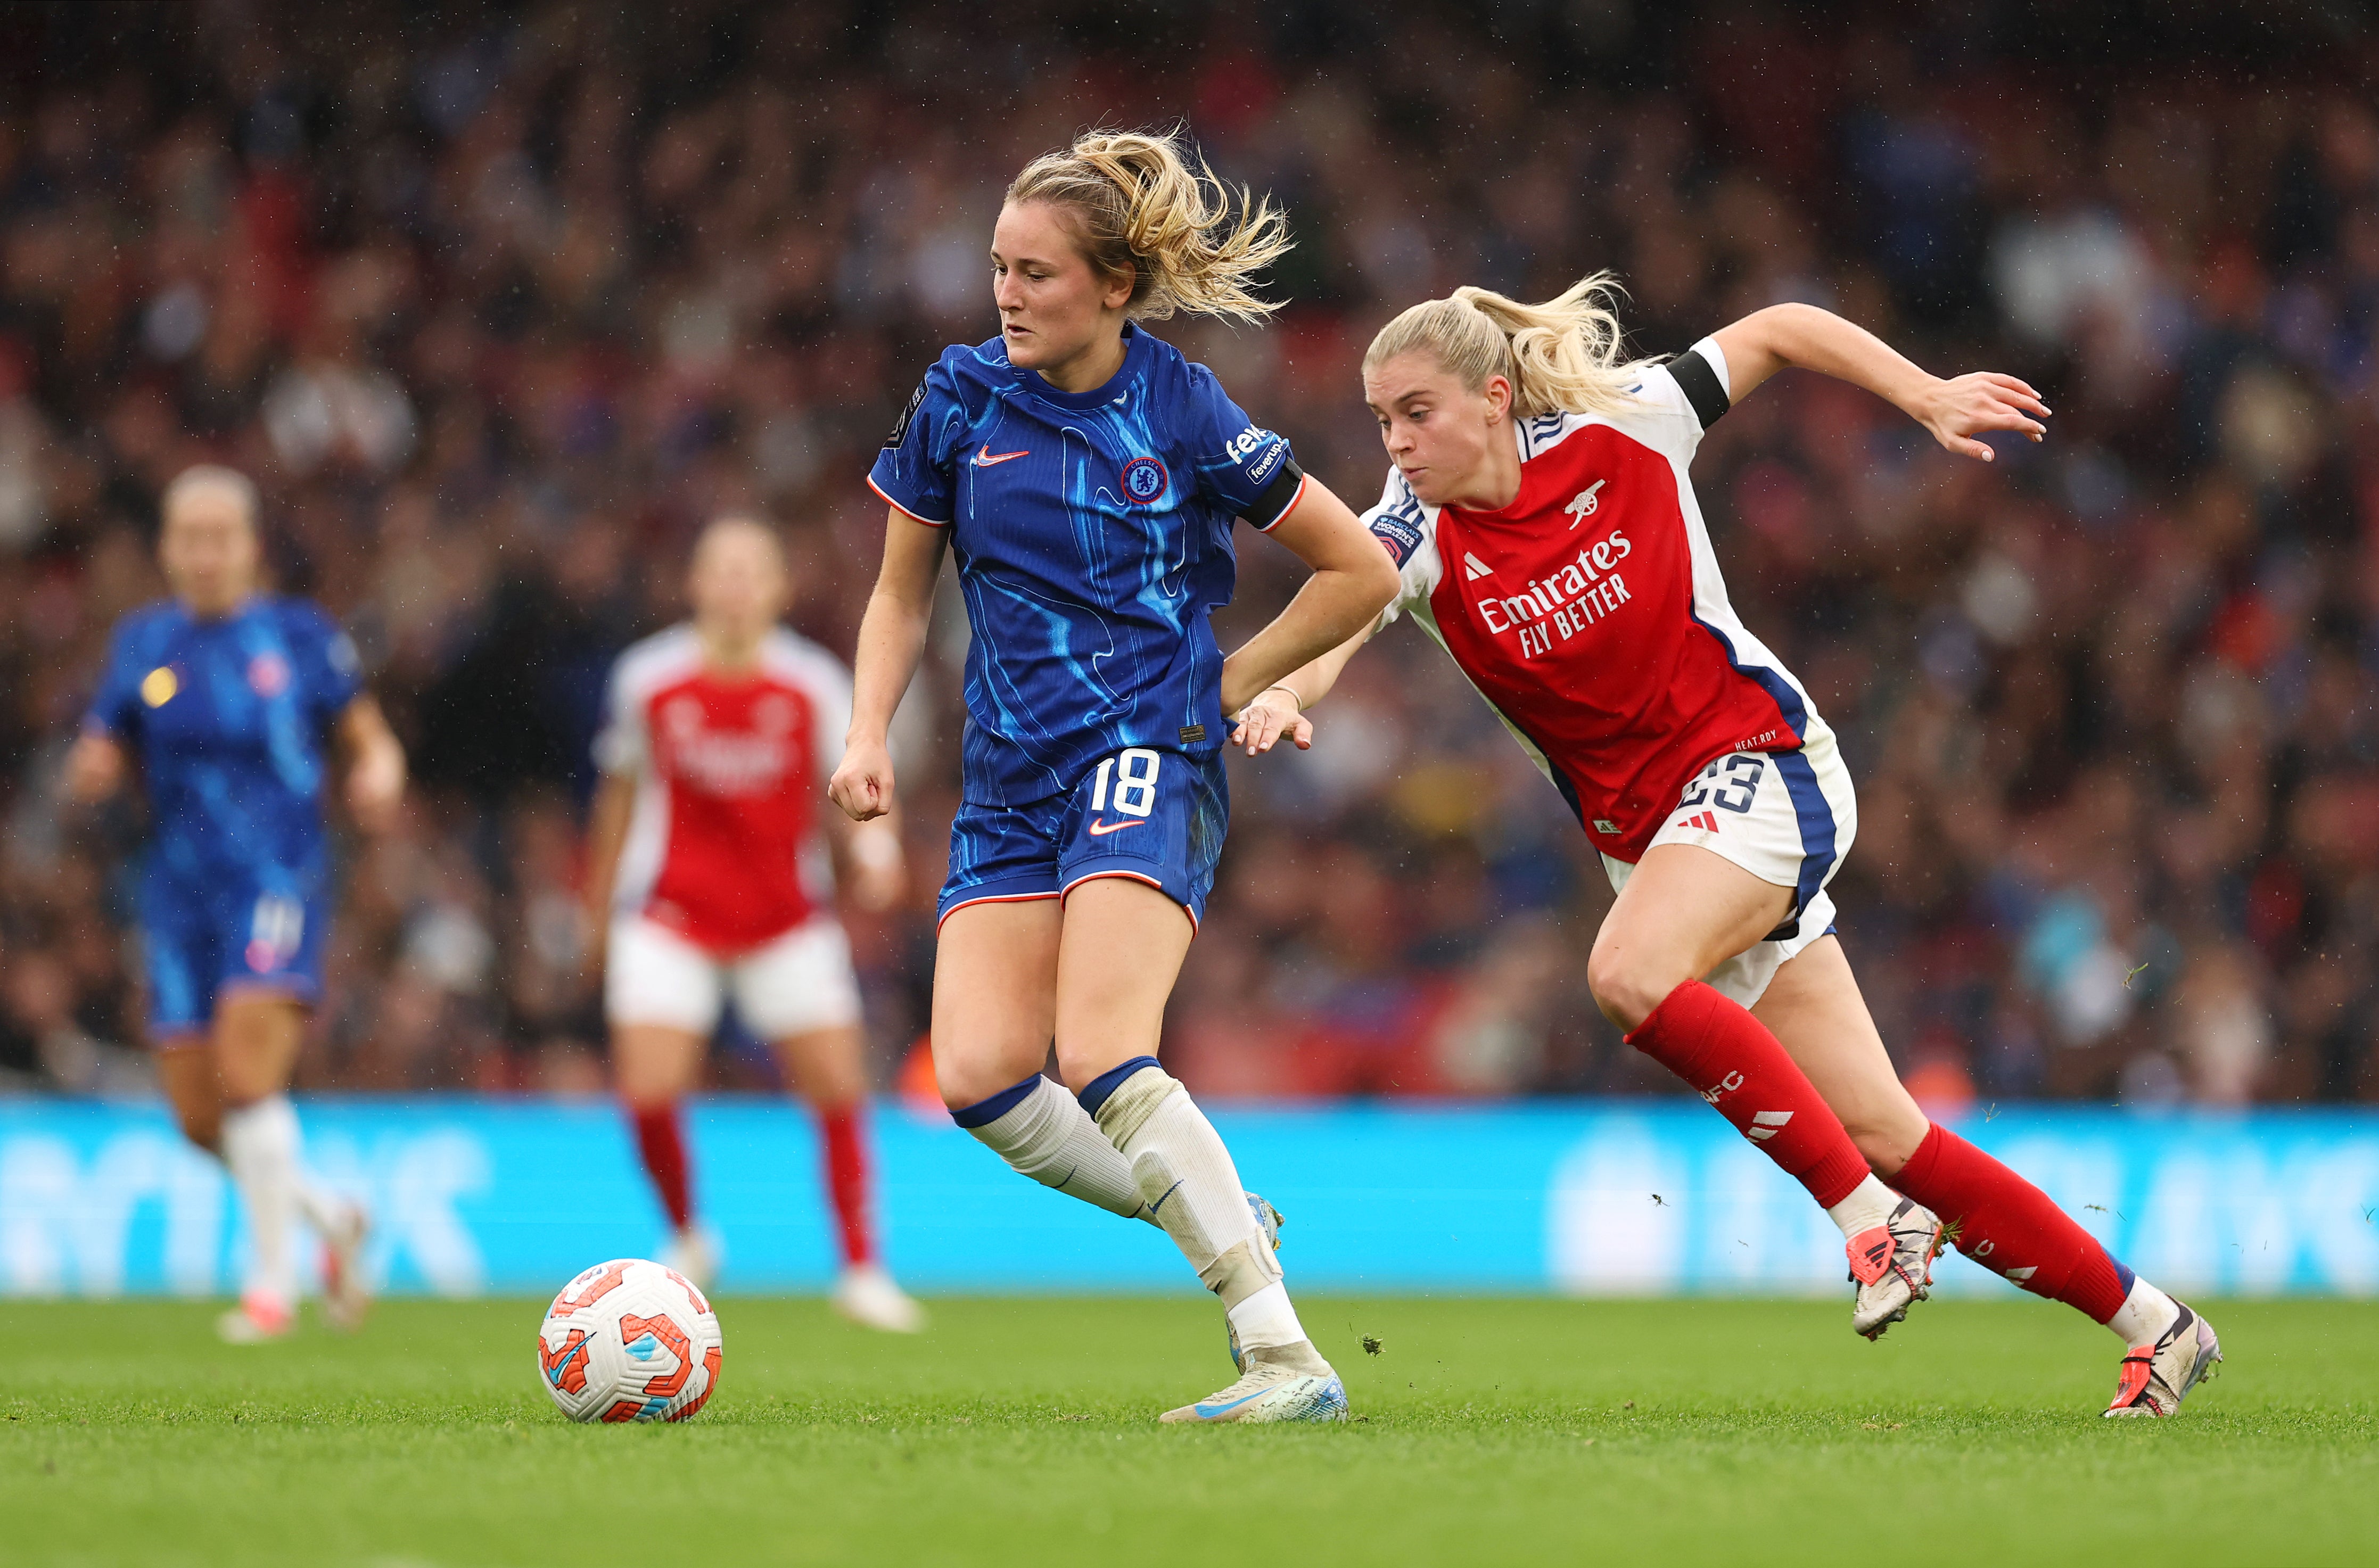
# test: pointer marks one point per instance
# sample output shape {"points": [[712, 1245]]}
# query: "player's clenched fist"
{"points": [[94, 768], [863, 785], [376, 777], [376, 788]]}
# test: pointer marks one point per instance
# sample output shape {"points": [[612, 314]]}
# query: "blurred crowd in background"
{"points": [[498, 305]]}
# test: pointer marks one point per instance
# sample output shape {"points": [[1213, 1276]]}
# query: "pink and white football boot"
{"points": [[1893, 1266], [259, 1319], [2157, 1378]]}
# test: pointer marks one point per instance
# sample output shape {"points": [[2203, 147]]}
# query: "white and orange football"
{"points": [[629, 1340]]}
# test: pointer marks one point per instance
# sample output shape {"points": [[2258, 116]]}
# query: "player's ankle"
{"points": [[1870, 1203], [2145, 1315], [1301, 1357], [1266, 1319]]}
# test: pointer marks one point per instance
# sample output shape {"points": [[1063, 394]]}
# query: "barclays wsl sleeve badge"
{"points": [[1144, 480]]}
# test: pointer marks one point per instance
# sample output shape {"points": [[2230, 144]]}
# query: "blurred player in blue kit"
{"points": [[1085, 476], [230, 699]]}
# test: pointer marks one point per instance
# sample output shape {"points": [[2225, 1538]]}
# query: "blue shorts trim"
{"points": [[1152, 815]]}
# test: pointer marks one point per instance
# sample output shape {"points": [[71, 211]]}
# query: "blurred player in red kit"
{"points": [[710, 872]]}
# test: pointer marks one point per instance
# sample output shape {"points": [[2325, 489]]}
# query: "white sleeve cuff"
{"points": [[1708, 349]]}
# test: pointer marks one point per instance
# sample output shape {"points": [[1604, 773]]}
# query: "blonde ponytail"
{"points": [[1143, 211], [1563, 356]]}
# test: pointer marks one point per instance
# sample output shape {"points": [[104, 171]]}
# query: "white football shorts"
{"points": [[799, 982], [1787, 817]]}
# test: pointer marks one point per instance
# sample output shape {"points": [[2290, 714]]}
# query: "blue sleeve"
{"points": [[330, 675], [116, 706], [915, 471], [1243, 467]]}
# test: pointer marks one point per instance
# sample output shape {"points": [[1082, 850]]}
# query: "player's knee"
{"points": [[644, 1086], [1628, 983], [826, 1099], [1076, 1068], [961, 1084], [827, 1084]]}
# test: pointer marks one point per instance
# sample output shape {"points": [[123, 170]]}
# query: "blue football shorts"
{"points": [[239, 931], [1156, 816]]}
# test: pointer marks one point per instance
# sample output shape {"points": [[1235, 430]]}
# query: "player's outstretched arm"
{"points": [[1278, 711], [1353, 580], [891, 641], [1955, 410], [375, 766]]}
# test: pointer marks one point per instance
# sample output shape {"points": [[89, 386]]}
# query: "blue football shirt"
{"points": [[229, 718], [1093, 536]]}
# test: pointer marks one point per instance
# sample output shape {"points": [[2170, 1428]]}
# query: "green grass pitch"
{"points": [[1021, 1432]]}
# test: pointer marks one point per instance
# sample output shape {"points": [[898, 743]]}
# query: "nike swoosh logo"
{"points": [[987, 457], [1209, 1410], [1101, 829]]}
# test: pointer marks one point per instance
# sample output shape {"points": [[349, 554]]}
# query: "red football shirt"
{"points": [[1591, 615], [724, 846]]}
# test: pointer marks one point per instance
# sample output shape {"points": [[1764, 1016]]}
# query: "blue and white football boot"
{"points": [[1287, 1383]]}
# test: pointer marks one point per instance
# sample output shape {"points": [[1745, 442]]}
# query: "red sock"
{"points": [[845, 1180], [1720, 1050], [662, 1141], [2010, 1226]]}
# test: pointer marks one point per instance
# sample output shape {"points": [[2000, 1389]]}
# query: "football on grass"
{"points": [[629, 1340]]}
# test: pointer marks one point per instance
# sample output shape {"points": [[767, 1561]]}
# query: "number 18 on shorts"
{"points": [[1152, 815]]}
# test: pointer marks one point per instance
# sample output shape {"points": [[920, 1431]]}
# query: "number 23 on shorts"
{"points": [[1732, 782], [1125, 783]]}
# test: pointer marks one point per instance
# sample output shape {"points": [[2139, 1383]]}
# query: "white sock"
{"points": [[321, 1208], [259, 1144], [1869, 1204], [1047, 1135], [1267, 1318], [2144, 1315], [1186, 1178]]}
